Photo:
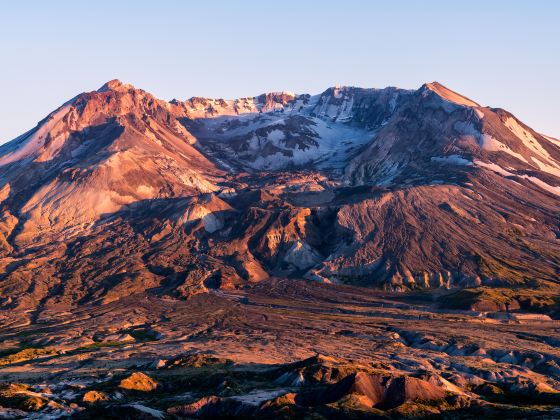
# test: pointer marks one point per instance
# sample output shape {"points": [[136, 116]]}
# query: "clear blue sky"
{"points": [[499, 53]]}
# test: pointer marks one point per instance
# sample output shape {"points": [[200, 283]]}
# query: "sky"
{"points": [[500, 53]]}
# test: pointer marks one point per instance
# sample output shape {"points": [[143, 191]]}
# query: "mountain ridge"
{"points": [[118, 192]]}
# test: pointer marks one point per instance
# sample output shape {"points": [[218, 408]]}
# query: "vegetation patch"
{"points": [[25, 354], [19, 396]]}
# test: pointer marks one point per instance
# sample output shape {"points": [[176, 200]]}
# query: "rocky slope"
{"points": [[117, 192]]}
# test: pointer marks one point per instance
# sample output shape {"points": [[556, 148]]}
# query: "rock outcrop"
{"points": [[138, 381]]}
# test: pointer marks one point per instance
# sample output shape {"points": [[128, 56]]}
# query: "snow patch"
{"points": [[492, 145], [452, 160], [526, 137], [255, 398], [542, 184], [501, 171], [545, 167], [337, 142], [276, 135], [493, 167]]}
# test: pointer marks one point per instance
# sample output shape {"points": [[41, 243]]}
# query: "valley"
{"points": [[282, 348]]}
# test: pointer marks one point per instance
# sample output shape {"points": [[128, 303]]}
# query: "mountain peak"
{"points": [[448, 94], [122, 171], [115, 85]]}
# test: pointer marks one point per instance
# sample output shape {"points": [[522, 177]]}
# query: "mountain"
{"points": [[117, 192]]}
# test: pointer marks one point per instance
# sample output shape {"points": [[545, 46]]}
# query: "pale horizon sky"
{"points": [[499, 53]]}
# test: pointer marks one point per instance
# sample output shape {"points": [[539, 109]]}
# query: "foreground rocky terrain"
{"points": [[358, 253], [281, 349]]}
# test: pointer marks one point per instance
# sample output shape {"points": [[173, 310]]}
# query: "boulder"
{"points": [[93, 397], [138, 381]]}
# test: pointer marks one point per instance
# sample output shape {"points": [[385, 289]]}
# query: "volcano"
{"points": [[117, 192]]}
